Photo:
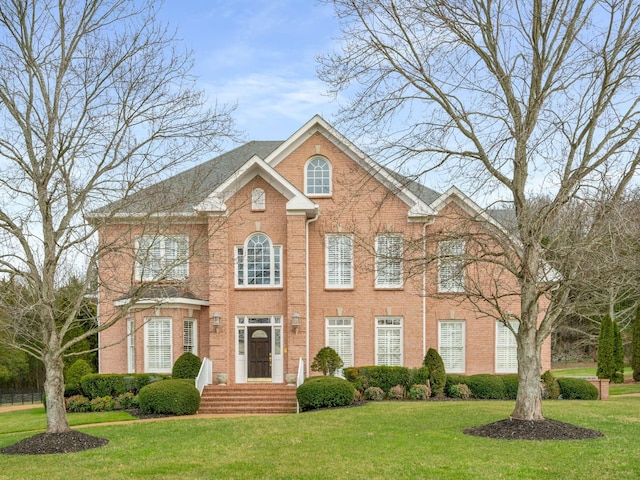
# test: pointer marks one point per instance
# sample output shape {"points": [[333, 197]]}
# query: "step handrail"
{"points": [[205, 375], [299, 381]]}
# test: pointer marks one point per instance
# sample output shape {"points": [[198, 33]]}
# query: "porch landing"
{"points": [[248, 398]]}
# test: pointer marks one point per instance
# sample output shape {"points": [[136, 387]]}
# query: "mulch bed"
{"points": [[46, 443], [546, 429]]}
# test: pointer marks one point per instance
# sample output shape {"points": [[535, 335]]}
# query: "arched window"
{"points": [[318, 176], [258, 262]]}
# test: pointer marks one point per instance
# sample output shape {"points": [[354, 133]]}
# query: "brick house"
{"points": [[271, 251]]}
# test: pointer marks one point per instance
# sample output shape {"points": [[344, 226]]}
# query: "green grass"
{"points": [[35, 420], [380, 440], [614, 388]]}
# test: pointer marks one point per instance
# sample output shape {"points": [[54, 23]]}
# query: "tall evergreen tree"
{"points": [[635, 354], [606, 364], [618, 355]]}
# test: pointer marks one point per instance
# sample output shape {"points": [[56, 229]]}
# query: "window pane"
{"points": [[451, 346], [339, 261], [389, 344], [506, 348], [318, 177], [451, 266]]}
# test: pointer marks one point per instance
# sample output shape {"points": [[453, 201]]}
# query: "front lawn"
{"points": [[403, 440], [590, 371]]}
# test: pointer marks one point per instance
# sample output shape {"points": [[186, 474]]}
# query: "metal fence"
{"points": [[20, 397]]}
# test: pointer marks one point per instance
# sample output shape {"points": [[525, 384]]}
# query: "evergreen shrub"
{"points": [[325, 392], [103, 404], [396, 393], [327, 361], [454, 379], [77, 404], [618, 355], [550, 387], [606, 363], [72, 376], [459, 390], [96, 385], [486, 386], [128, 400], [419, 392], [437, 375], [511, 383], [173, 397], [374, 393], [577, 389], [385, 377], [186, 366], [635, 347]]}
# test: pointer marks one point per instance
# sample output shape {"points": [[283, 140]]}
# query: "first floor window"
{"points": [[339, 261], [131, 348], [451, 345], [506, 348], [451, 266], [389, 341], [388, 261], [340, 338], [160, 257], [189, 338], [158, 357]]}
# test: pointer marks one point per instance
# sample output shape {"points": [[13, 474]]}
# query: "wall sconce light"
{"points": [[295, 322], [216, 322]]}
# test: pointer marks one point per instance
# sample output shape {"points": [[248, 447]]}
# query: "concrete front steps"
{"points": [[248, 398]]}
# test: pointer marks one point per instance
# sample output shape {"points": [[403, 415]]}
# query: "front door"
{"points": [[259, 352]]}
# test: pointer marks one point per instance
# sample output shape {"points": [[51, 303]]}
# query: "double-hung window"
{"points": [[389, 341], [158, 357], [189, 336], [451, 266], [339, 261], [160, 257], [131, 348], [506, 348], [451, 345], [340, 338], [259, 262], [389, 261]]}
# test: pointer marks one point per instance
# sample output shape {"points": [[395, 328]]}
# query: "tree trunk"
{"points": [[54, 390], [529, 399]]}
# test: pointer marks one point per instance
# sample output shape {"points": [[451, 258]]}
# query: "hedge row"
{"points": [[386, 378], [96, 385]]}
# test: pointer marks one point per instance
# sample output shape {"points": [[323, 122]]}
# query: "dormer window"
{"points": [[318, 177], [258, 199]]}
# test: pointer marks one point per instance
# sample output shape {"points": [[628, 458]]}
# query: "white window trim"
{"points": [[194, 333], [382, 261], [131, 346], [463, 360], [274, 283], [306, 173], [167, 367], [458, 288], [512, 364], [347, 325], [169, 271], [397, 323], [341, 286]]}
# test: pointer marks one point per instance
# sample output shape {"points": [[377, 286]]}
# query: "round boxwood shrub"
{"points": [[452, 380], [419, 392], [374, 393], [396, 393], [128, 400], [486, 386], [173, 397], [577, 389], [459, 390], [103, 404], [325, 392], [72, 376], [511, 383], [187, 366], [78, 404]]}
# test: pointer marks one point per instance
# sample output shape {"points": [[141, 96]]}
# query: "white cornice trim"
{"points": [[172, 302]]}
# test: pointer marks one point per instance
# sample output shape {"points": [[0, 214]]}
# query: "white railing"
{"points": [[205, 375], [299, 380]]}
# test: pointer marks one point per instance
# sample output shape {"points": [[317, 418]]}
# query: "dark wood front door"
{"points": [[259, 352]]}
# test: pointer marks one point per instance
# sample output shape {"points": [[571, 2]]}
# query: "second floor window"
{"points": [[388, 261], [258, 262], [451, 266], [339, 261], [160, 257]]}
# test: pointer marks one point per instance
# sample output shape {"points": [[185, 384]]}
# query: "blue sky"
{"points": [[260, 54]]}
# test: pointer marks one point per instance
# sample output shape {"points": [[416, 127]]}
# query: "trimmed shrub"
{"points": [[437, 375], [459, 390], [77, 404], [486, 386], [374, 393], [186, 366], [128, 400], [72, 376], [577, 389], [419, 376], [96, 385], [419, 392], [173, 397], [454, 379], [396, 393], [325, 392], [549, 385], [635, 347], [326, 361], [103, 404], [385, 377], [511, 383], [134, 382]]}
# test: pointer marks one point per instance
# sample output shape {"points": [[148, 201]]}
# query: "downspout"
{"points": [[424, 290], [307, 295]]}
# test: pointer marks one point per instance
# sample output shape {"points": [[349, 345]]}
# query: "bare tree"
{"points": [[527, 99], [96, 102]]}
